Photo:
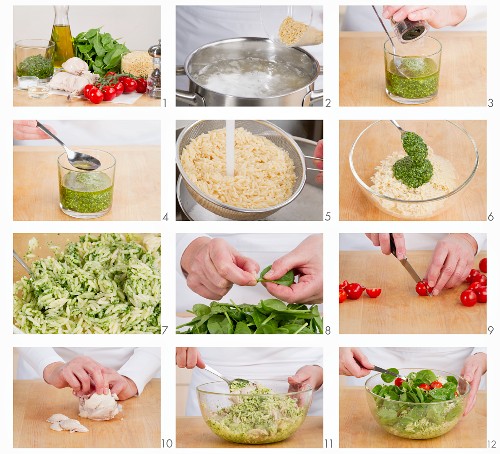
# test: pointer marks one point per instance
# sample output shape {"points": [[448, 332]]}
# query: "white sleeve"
{"points": [[480, 240], [479, 350], [475, 13], [142, 366], [39, 358], [183, 241]]}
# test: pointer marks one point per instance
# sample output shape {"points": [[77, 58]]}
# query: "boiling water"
{"points": [[252, 78]]}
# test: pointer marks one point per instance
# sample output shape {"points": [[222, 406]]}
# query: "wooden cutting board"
{"points": [[462, 79], [358, 428], [137, 426], [136, 196], [399, 310], [192, 432], [355, 206]]}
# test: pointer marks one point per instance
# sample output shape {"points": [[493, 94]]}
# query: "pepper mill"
{"points": [[154, 80], [407, 30]]}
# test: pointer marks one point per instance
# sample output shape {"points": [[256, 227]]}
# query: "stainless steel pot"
{"points": [[240, 48]]}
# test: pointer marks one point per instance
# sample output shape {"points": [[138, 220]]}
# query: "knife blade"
{"points": [[405, 263], [384, 371]]}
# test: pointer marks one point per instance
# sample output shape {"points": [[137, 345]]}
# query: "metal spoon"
{"points": [[395, 123], [397, 60], [79, 160], [384, 371], [240, 381], [22, 262]]}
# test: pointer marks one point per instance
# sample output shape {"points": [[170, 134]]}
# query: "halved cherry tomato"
{"points": [[472, 273], [354, 291], [373, 292], [399, 381], [424, 386], [142, 85], [342, 295], [86, 90], [468, 298], [436, 384], [109, 93], [96, 96], [483, 265], [481, 278], [474, 286], [422, 288], [344, 284], [481, 294]]}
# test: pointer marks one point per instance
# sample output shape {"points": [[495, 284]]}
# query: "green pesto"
{"points": [[411, 173], [414, 146], [36, 65], [413, 78], [86, 192]]}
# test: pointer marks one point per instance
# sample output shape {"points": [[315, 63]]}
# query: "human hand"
{"points": [[122, 386], [474, 368], [318, 153], [383, 240], [451, 262], [189, 358], [213, 266], [27, 130], [436, 16], [82, 374], [311, 376], [352, 362], [306, 260]]}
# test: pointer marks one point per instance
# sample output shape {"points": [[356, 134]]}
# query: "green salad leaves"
{"points": [[270, 316], [287, 279]]}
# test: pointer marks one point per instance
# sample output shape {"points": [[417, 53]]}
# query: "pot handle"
{"points": [[313, 97], [186, 97]]}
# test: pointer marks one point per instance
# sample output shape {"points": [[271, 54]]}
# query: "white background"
{"points": [[168, 115]]}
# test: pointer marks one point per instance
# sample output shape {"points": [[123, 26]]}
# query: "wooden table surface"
{"points": [[358, 428], [137, 426], [192, 432], [462, 79], [399, 309], [136, 195], [21, 99], [355, 206]]}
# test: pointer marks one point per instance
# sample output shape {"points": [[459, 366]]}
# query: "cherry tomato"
{"points": [[373, 292], [474, 286], [473, 272], [468, 298], [481, 278], [129, 84], [342, 295], [354, 291], [96, 96], [399, 381], [481, 294], [344, 284], [436, 384], [86, 90], [119, 87], [424, 386], [109, 93], [110, 73], [142, 85], [422, 288], [483, 265]]}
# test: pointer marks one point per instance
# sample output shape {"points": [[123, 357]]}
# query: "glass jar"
{"points": [[412, 72], [407, 30], [86, 194], [61, 36], [34, 58]]}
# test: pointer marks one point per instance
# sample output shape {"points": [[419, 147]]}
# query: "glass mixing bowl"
{"points": [[417, 421], [380, 139], [254, 418]]}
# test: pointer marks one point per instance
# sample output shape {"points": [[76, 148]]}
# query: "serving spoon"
{"points": [[79, 160], [230, 383], [22, 262], [395, 123]]}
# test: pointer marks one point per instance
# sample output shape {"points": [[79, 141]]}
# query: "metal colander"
{"points": [[257, 127]]}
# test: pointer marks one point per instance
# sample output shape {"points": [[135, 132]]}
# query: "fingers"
{"points": [[284, 264], [459, 275], [71, 379], [247, 264], [399, 241], [385, 243], [362, 359], [447, 271], [474, 386], [437, 261], [199, 360], [188, 357], [348, 365], [27, 130], [402, 13], [389, 10], [223, 258], [309, 289], [427, 14], [118, 386]]}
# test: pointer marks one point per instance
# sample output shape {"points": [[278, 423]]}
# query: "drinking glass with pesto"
{"points": [[86, 194], [412, 74]]}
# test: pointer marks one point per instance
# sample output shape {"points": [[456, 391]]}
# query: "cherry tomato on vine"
{"points": [[96, 96], [109, 93], [142, 85], [86, 90], [468, 298]]}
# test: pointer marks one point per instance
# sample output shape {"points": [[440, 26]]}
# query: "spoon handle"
{"points": [[213, 371], [395, 123], [21, 262], [48, 132], [384, 27]]}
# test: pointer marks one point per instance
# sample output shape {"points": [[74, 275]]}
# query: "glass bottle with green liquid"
{"points": [[61, 35]]}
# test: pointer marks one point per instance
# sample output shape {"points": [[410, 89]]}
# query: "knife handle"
{"points": [[393, 245]]}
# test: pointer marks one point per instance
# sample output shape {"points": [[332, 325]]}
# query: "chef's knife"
{"points": [[405, 263], [384, 371]]}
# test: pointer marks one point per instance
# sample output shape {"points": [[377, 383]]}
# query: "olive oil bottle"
{"points": [[61, 35]]}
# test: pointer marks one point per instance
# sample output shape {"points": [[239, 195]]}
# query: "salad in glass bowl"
{"points": [[425, 404]]}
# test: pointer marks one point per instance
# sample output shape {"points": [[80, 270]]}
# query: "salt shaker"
{"points": [[154, 80]]}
